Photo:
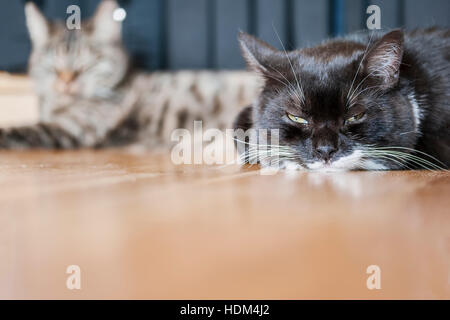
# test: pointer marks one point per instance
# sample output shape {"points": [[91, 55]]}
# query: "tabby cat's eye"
{"points": [[355, 118], [297, 119]]}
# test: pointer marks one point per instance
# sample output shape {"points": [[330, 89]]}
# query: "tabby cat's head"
{"points": [[79, 63], [334, 103]]}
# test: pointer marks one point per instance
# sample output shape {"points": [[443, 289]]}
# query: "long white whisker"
{"points": [[423, 163], [289, 86], [300, 88], [389, 148], [360, 63]]}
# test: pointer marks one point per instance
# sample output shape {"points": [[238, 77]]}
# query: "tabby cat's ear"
{"points": [[384, 59], [37, 25], [106, 29], [256, 53]]}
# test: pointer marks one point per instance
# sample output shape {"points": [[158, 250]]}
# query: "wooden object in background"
{"points": [[18, 103]]}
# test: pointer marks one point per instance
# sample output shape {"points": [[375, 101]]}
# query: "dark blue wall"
{"points": [[180, 34]]}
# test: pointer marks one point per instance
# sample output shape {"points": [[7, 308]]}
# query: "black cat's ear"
{"points": [[38, 26], [384, 58], [256, 53], [106, 28]]}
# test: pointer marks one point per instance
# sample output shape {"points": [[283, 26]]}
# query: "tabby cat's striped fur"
{"points": [[90, 98]]}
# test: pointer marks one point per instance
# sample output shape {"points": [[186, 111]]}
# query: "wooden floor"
{"points": [[140, 227]]}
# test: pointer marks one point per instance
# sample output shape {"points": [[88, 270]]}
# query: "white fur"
{"points": [[353, 161], [291, 165], [374, 166], [416, 110], [349, 162]]}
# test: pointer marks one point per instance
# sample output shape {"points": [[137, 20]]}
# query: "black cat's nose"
{"points": [[325, 151]]}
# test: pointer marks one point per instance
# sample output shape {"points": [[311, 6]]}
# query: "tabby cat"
{"points": [[371, 101], [90, 97]]}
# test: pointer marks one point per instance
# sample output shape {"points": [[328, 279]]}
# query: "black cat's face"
{"points": [[332, 104]]}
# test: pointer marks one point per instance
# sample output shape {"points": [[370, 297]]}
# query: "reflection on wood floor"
{"points": [[140, 227]]}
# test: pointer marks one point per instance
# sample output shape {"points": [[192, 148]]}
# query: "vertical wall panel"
{"points": [[57, 8], [390, 13], [230, 17], [338, 22], [179, 34], [187, 34], [14, 40], [89, 7], [270, 16], [143, 36], [311, 21], [427, 13], [355, 13]]}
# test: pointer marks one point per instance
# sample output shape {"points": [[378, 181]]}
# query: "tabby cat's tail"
{"points": [[44, 136]]}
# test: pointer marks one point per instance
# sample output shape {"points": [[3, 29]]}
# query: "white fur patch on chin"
{"points": [[291, 166], [351, 162], [373, 166]]}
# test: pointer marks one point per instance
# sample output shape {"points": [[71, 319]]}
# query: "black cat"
{"points": [[374, 101]]}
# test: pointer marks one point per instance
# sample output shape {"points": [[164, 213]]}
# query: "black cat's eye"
{"points": [[355, 118], [296, 119]]}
